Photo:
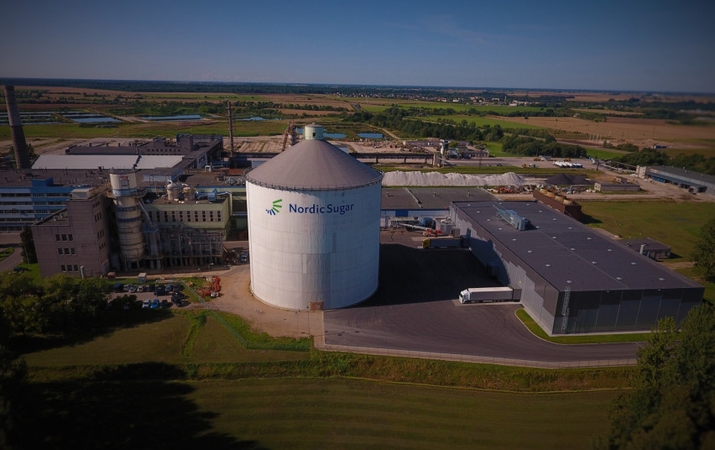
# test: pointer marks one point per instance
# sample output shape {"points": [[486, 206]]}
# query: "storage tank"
{"points": [[313, 227], [188, 193], [127, 198], [172, 192]]}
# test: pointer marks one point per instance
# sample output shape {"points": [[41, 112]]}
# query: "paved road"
{"points": [[447, 327], [415, 309], [11, 240]]}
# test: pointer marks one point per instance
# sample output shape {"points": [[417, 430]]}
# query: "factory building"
{"points": [[693, 181], [569, 278], [76, 240], [313, 222]]}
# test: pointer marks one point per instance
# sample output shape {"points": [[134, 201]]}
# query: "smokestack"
{"points": [[22, 156]]}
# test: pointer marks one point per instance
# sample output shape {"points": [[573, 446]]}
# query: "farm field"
{"points": [[640, 132]]}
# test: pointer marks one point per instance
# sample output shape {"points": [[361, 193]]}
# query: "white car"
{"points": [[146, 304]]}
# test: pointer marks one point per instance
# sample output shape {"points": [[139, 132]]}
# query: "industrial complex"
{"points": [[312, 217]]}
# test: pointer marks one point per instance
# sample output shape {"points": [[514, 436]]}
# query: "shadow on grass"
{"points": [[588, 220], [130, 407], [106, 323]]}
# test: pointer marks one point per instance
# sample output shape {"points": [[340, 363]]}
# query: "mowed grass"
{"points": [[676, 224], [115, 410], [158, 336], [180, 379], [356, 414]]}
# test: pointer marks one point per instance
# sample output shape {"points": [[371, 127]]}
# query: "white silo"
{"points": [[127, 197], [313, 225]]}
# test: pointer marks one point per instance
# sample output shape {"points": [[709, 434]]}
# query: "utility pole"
{"points": [[230, 127]]}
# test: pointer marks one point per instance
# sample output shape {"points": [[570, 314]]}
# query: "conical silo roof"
{"points": [[313, 165]]}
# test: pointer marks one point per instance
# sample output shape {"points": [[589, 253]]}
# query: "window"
{"points": [[70, 237], [59, 251], [75, 268], [64, 268], [64, 237], [57, 237]]}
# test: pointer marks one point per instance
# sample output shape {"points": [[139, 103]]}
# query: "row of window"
{"points": [[66, 251], [63, 237], [27, 194], [185, 216], [100, 234], [69, 268]]}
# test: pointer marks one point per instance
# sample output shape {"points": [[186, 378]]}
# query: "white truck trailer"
{"points": [[486, 294]]}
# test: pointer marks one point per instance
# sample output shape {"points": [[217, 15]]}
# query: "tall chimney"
{"points": [[22, 156]]}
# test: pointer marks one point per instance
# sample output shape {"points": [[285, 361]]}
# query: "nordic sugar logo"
{"points": [[276, 207]]}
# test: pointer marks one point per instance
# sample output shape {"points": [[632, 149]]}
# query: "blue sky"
{"points": [[604, 45]]}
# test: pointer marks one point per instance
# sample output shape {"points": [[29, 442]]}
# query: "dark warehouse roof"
{"points": [[567, 253]]}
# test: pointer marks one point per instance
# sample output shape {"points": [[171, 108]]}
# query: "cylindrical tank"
{"points": [[313, 226], [172, 192], [127, 196], [188, 193], [313, 131]]}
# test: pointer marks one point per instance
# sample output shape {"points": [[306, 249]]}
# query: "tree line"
{"points": [[654, 157], [516, 141]]}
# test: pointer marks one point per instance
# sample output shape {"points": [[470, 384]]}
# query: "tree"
{"points": [[29, 255], [672, 404], [704, 254]]}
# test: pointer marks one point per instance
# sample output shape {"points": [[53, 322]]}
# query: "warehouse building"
{"points": [[687, 179], [569, 278]]}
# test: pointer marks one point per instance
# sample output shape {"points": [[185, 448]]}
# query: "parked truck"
{"points": [[486, 294]]}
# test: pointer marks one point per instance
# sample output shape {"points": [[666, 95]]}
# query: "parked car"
{"points": [[164, 303], [244, 257], [131, 289], [140, 288], [169, 287], [154, 303], [146, 304], [118, 287], [159, 290]]}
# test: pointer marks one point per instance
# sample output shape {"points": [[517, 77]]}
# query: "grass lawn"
{"points": [[114, 410], [575, 339], [5, 252], [177, 379], [674, 224], [349, 413]]}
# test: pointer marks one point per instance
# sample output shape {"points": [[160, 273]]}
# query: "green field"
{"points": [[150, 130], [674, 224], [113, 410], [173, 380], [480, 121]]}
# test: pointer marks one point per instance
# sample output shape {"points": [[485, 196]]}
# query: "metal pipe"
{"points": [[22, 155]]}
